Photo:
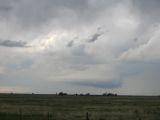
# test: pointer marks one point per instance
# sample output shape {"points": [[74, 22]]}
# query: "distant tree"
{"points": [[104, 94], [87, 94], [109, 94], [65, 94], [81, 94], [62, 94]]}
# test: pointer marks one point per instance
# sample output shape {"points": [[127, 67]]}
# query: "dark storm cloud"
{"points": [[34, 18], [35, 13], [99, 84], [148, 11], [9, 43], [5, 8], [30, 14], [147, 6], [6, 5]]}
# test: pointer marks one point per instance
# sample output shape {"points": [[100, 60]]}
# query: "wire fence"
{"points": [[45, 115], [23, 114]]}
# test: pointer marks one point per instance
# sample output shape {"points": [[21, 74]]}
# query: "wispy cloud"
{"points": [[94, 37], [9, 43]]}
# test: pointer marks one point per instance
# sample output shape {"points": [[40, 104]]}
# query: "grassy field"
{"points": [[52, 107]]}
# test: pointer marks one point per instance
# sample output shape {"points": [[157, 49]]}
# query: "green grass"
{"points": [[37, 107]]}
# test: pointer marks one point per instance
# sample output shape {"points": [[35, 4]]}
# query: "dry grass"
{"points": [[37, 107]]}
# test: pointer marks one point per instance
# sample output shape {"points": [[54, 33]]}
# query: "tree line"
{"points": [[86, 94]]}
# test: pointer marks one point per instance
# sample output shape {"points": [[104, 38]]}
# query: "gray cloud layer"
{"points": [[65, 44]]}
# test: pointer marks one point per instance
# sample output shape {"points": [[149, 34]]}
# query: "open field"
{"points": [[53, 107]]}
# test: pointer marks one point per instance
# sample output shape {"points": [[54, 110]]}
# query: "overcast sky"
{"points": [[80, 46]]}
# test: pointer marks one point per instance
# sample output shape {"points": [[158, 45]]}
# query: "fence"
{"points": [[22, 115], [74, 115]]}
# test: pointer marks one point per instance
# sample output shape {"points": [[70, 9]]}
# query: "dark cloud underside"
{"points": [[99, 84], [9, 43]]}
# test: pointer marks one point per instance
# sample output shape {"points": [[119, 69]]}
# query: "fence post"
{"points": [[48, 115], [20, 113], [87, 116]]}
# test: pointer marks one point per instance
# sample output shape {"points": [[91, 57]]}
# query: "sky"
{"points": [[80, 46]]}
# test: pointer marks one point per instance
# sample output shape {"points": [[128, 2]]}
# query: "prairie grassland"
{"points": [[53, 107]]}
